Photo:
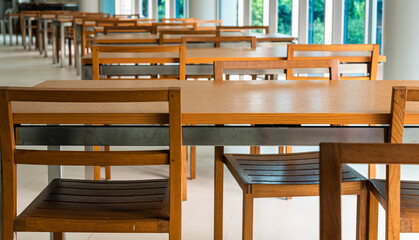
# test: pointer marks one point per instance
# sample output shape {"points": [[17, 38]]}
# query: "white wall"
{"points": [[89, 6], [401, 39], [203, 9]]}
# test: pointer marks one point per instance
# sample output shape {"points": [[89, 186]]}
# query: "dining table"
{"points": [[220, 114]]}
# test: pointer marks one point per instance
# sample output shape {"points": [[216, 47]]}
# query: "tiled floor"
{"points": [[274, 218]]}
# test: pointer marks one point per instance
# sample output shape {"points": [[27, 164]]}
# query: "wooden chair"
{"points": [[290, 174], [33, 28], [164, 33], [129, 29], [348, 55], [398, 198], [153, 207], [98, 60]]}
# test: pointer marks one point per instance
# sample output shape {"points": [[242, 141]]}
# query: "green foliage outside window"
{"points": [[257, 13], [284, 16], [179, 9], [161, 9], [145, 8], [316, 22], [354, 21]]}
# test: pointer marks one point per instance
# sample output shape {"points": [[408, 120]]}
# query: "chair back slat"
{"points": [[332, 65], [251, 39], [97, 60], [347, 54], [164, 33]]}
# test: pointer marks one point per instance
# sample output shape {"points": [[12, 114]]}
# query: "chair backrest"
{"points": [[250, 66], [349, 55], [11, 156], [333, 155], [168, 20], [175, 25], [97, 59], [241, 28], [164, 33], [214, 23], [129, 29], [251, 40], [115, 22]]}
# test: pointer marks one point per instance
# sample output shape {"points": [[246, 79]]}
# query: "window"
{"points": [[161, 9], [354, 22], [180, 8], [316, 22], [123, 6], [379, 33], [257, 13], [284, 16], [144, 8]]}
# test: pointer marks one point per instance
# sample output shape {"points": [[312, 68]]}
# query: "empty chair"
{"points": [[66, 205], [398, 198], [285, 175], [174, 35], [349, 55], [138, 55]]}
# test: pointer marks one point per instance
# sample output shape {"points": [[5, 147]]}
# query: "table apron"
{"points": [[204, 135]]}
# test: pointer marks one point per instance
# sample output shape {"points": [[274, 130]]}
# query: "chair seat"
{"points": [[294, 174], [78, 205], [409, 204]]}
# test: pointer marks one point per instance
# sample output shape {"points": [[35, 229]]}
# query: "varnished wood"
{"points": [[94, 206], [332, 65], [129, 29], [206, 102], [387, 192], [98, 58], [252, 40], [345, 53], [162, 34], [218, 191]]}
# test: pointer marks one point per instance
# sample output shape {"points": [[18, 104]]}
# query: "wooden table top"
{"points": [[234, 102], [154, 38], [199, 55]]}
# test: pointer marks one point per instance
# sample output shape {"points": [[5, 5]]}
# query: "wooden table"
{"points": [[234, 102], [200, 60]]}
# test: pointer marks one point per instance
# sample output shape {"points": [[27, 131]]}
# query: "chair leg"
{"points": [[254, 150], [70, 58], [247, 216], [58, 236], [193, 162], [288, 149], [218, 192], [372, 217], [362, 215], [184, 173]]}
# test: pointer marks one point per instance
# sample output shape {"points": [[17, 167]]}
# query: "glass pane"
{"points": [[144, 10], [284, 16], [316, 22], [379, 35], [257, 13], [179, 8], [354, 21], [161, 9]]}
